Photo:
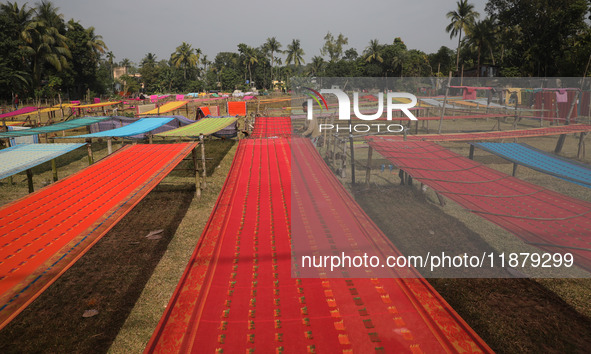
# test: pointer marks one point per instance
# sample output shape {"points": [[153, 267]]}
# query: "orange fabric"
{"points": [[236, 108], [49, 230]]}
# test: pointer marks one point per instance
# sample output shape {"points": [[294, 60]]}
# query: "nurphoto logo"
{"points": [[344, 108]]}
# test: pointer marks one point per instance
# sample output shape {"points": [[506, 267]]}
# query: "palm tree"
{"points": [[185, 57], [461, 18], [48, 13], [272, 46], [43, 45], [149, 60], [249, 57], [295, 53], [205, 62], [126, 63], [20, 16], [316, 65], [110, 59], [372, 52], [95, 42], [480, 35]]}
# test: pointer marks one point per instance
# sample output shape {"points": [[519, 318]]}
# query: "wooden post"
{"points": [[150, 138], [516, 116], [109, 146], [441, 199], [368, 168], [54, 170], [543, 112], [514, 170], [324, 142], [471, 155], [344, 159], [581, 150], [89, 149], [352, 154], [30, 180], [562, 137], [333, 153], [444, 102], [196, 171], [204, 173]]}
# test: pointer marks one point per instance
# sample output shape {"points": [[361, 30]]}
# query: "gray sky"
{"points": [[131, 29]]}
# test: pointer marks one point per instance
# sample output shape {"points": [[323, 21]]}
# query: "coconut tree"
{"points": [[95, 42], [149, 60], [372, 52], [480, 35], [48, 13], [248, 56], [272, 46], [185, 57], [317, 65], [44, 45], [461, 18], [21, 16], [295, 53]]}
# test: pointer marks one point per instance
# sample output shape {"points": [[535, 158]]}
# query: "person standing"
{"points": [[15, 102]]}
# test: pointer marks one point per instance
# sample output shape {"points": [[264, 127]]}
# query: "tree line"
{"points": [[42, 55]]}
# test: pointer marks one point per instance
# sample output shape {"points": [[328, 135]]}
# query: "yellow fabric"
{"points": [[510, 91], [102, 104], [167, 107]]}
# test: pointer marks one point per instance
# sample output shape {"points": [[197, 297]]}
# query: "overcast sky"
{"points": [[131, 29]]}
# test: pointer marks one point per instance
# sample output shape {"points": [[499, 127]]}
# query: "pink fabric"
{"points": [[180, 97], [97, 100], [469, 93], [153, 98], [561, 96], [207, 99], [23, 110]]}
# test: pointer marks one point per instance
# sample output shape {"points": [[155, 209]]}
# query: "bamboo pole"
{"points": [[581, 150], [444, 102], [54, 170], [89, 150], [562, 137], [196, 171], [30, 180], [368, 169], [204, 173], [352, 154]]}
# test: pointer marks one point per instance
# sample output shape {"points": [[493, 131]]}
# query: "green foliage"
{"points": [[333, 47], [540, 36]]}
